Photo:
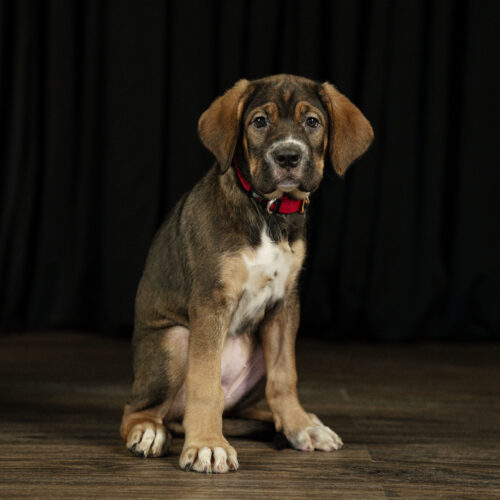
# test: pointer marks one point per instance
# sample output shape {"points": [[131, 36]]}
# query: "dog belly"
{"points": [[242, 366]]}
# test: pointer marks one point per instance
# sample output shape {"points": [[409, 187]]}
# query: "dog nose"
{"points": [[287, 157]]}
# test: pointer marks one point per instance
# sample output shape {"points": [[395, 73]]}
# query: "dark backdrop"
{"points": [[99, 102]]}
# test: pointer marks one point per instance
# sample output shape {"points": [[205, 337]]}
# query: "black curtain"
{"points": [[99, 102]]}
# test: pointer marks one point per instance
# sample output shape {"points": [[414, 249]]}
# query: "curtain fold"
{"points": [[99, 102]]}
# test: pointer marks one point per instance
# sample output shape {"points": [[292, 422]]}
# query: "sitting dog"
{"points": [[217, 308]]}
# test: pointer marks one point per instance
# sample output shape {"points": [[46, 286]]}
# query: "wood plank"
{"points": [[417, 421]]}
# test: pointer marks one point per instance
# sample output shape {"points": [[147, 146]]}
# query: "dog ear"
{"points": [[350, 132], [219, 125]]}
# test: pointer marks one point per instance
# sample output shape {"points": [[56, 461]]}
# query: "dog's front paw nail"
{"points": [[218, 459], [315, 437], [301, 441], [148, 440], [324, 439]]}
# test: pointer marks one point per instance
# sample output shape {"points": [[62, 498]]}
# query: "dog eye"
{"points": [[312, 122], [259, 122]]}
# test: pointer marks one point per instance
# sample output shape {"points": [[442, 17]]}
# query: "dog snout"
{"points": [[287, 157]]}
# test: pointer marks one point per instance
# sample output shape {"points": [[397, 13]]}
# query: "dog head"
{"points": [[281, 128]]}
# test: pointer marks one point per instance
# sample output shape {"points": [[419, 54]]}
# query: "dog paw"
{"points": [[218, 457], [315, 437], [148, 439]]}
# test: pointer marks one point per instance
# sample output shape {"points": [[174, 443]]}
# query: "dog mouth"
{"points": [[294, 182], [288, 184]]}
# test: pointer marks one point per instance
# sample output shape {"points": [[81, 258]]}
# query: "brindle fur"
{"points": [[189, 278]]}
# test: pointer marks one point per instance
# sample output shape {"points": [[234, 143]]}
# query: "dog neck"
{"points": [[249, 215]]}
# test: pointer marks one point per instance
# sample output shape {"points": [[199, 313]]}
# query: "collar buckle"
{"points": [[272, 206]]}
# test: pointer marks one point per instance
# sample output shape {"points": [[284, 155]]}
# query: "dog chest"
{"points": [[270, 269]]}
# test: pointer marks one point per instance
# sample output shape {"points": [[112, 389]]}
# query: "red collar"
{"points": [[283, 205]]}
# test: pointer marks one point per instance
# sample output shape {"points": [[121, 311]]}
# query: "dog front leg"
{"points": [[303, 430], [205, 448]]}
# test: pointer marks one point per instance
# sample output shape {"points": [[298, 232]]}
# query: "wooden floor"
{"points": [[417, 421]]}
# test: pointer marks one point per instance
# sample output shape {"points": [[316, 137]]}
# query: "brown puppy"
{"points": [[217, 307]]}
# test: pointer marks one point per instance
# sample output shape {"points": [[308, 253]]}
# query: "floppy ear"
{"points": [[219, 125], [350, 132]]}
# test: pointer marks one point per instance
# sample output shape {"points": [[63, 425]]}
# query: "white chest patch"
{"points": [[269, 267]]}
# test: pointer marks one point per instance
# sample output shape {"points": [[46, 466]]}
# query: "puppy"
{"points": [[217, 308]]}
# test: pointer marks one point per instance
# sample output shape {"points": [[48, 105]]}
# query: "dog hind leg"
{"points": [[160, 359]]}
